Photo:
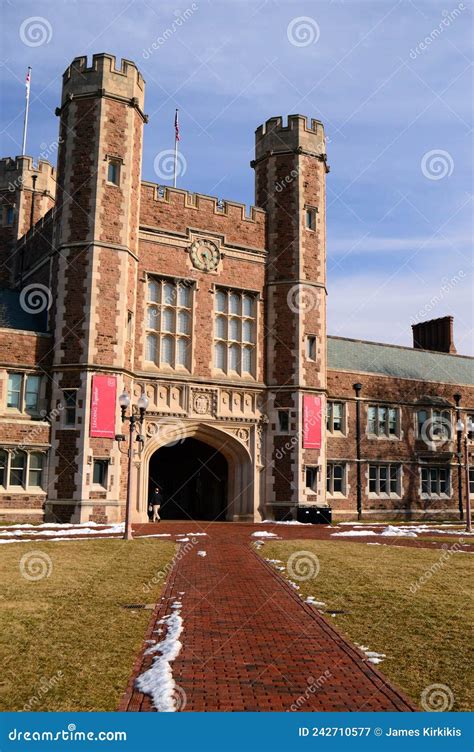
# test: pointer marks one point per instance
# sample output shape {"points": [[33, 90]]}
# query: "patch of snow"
{"points": [[182, 540], [281, 522], [264, 534], [55, 524], [372, 656], [313, 602], [274, 561], [394, 531], [54, 540], [158, 680], [114, 529], [202, 553], [155, 535], [196, 534], [353, 533]]}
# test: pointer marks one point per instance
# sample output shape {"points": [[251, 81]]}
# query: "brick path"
{"points": [[250, 643]]}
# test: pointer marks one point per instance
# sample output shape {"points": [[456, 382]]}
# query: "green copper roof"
{"points": [[399, 362]]}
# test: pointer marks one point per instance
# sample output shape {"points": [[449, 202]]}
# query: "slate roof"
{"points": [[13, 316], [399, 362]]}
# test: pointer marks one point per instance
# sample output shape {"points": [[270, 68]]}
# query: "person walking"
{"points": [[156, 504]]}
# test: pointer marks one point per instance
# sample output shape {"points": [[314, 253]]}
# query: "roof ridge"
{"points": [[401, 347]]}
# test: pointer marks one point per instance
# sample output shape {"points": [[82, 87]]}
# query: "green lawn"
{"points": [[66, 643], [426, 635]]}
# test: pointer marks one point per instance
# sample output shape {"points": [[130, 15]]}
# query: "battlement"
{"points": [[299, 134], [190, 200], [103, 77], [18, 172], [179, 211]]}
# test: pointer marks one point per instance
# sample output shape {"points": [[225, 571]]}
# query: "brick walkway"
{"points": [[250, 643]]}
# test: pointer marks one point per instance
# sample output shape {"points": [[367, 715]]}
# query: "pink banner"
{"points": [[103, 406], [311, 422]]}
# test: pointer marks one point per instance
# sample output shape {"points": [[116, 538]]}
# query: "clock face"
{"points": [[204, 255]]}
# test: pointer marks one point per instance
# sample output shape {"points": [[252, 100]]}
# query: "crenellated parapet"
{"points": [[198, 201], [103, 78], [299, 135], [18, 172]]}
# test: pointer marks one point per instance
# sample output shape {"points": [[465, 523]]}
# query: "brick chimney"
{"points": [[436, 335]]}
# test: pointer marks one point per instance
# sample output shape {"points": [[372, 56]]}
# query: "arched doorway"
{"points": [[193, 477], [241, 488]]}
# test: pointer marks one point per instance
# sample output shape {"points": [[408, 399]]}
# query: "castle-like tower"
{"points": [[95, 247], [290, 179]]}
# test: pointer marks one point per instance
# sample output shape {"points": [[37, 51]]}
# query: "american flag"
{"points": [[28, 79], [176, 126]]}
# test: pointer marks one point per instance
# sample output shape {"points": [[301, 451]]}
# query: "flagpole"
{"points": [[27, 106], [175, 148]]}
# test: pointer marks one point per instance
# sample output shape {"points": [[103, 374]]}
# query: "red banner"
{"points": [[311, 422], [103, 406]]}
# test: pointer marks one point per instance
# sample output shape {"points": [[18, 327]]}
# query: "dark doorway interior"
{"points": [[193, 478]]}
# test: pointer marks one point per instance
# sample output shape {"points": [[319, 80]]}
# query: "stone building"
{"points": [[218, 314]]}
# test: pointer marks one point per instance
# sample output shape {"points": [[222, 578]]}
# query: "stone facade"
{"points": [[217, 313]]}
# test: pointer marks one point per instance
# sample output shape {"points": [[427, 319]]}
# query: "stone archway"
{"points": [[240, 488]]}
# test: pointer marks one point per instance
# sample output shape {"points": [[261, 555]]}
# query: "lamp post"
{"points": [[135, 426], [457, 399], [358, 388], [460, 429]]}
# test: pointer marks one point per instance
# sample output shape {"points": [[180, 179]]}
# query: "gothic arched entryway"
{"points": [[193, 479], [233, 497]]}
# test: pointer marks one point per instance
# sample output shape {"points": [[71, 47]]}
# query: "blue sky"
{"points": [[398, 118]]}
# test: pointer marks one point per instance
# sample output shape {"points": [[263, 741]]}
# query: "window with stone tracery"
{"points": [[169, 323], [234, 332]]}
